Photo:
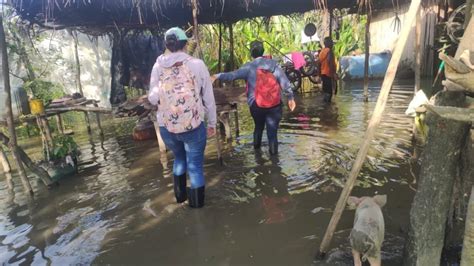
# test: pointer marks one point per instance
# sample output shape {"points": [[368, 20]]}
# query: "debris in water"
{"points": [[316, 210], [147, 208]]}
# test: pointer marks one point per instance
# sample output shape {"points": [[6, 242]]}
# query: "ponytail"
{"points": [[173, 44]]}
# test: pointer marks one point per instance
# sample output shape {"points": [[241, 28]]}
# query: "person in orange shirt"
{"points": [[328, 68]]}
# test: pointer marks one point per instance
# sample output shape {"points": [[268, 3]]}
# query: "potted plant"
{"points": [[61, 159]]}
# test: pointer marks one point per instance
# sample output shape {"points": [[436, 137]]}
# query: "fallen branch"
{"points": [[38, 171]]}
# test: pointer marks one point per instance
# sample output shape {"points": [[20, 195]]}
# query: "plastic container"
{"points": [[36, 106]]}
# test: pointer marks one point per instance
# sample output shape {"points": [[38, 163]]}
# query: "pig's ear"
{"points": [[381, 200], [353, 202]]}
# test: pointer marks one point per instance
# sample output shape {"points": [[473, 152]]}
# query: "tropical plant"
{"points": [[63, 145], [44, 90], [351, 35]]}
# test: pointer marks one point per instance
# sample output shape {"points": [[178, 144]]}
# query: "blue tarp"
{"points": [[352, 67]]}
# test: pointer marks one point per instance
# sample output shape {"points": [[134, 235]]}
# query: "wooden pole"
{"points": [[161, 143], [47, 129], [219, 65], [43, 137], [367, 57], [195, 28], [59, 122], [88, 122], [9, 114], [4, 161], [373, 124], [418, 51], [97, 116]]}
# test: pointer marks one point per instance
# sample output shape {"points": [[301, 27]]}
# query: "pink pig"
{"points": [[368, 232]]}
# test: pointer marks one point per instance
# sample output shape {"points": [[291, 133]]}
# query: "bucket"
{"points": [[36, 106]]}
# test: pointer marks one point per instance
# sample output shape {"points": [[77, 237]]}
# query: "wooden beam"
{"points": [[79, 108], [9, 114], [373, 124]]}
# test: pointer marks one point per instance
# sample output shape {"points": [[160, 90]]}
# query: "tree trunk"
{"points": [[441, 159], [467, 258], [9, 114], [78, 62]]}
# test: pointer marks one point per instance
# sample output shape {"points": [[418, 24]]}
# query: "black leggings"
{"points": [[327, 88], [271, 118]]}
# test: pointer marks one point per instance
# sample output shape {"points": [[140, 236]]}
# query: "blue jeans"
{"points": [[188, 149]]}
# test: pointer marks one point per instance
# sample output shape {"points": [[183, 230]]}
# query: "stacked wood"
{"points": [[140, 107]]}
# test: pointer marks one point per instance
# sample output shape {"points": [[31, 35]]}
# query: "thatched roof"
{"points": [[111, 14]]}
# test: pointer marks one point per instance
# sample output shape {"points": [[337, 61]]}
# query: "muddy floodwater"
{"points": [[259, 210]]}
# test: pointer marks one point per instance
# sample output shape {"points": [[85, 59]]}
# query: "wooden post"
{"points": [[373, 124], [59, 122], [97, 116], [219, 65], [9, 114], [47, 129], [236, 116], [44, 140], [195, 28], [330, 22], [88, 122], [219, 149], [161, 143], [467, 257], [4, 161], [367, 56], [418, 51]]}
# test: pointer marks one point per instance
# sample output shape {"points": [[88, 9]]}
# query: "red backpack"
{"points": [[267, 89]]}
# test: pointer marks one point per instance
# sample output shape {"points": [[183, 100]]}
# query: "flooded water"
{"points": [[259, 210]]}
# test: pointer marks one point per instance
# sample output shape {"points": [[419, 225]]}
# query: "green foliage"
{"points": [[63, 145], [282, 32], [351, 35], [44, 90]]}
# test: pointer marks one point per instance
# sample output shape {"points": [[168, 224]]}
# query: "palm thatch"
{"points": [[105, 14]]}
